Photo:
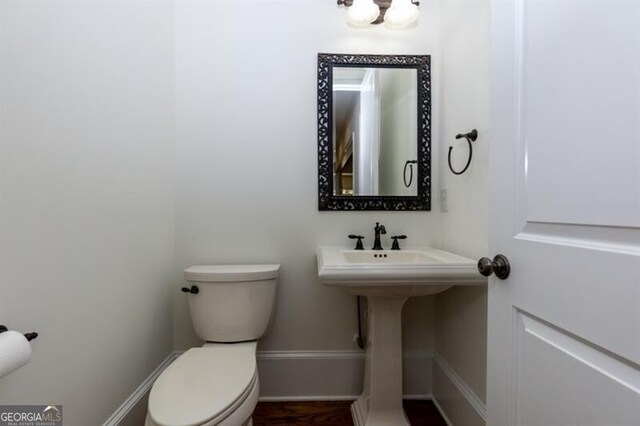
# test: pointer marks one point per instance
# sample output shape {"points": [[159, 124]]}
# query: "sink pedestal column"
{"points": [[381, 401]]}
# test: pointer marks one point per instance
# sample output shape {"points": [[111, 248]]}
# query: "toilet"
{"points": [[217, 384]]}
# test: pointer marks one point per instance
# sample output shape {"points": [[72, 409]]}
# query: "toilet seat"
{"points": [[206, 386]]}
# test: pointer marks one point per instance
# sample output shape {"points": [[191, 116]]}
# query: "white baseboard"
{"points": [[306, 398], [441, 411], [119, 416], [302, 376], [466, 394], [332, 375]]}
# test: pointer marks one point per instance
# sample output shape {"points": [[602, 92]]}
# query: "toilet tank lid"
{"points": [[227, 273]]}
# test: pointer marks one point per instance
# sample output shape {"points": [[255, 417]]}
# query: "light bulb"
{"points": [[401, 14], [362, 13]]}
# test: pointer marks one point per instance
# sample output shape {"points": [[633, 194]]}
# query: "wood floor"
{"points": [[334, 413]]}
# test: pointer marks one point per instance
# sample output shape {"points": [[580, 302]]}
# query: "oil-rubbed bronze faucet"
{"points": [[379, 229], [396, 244]]}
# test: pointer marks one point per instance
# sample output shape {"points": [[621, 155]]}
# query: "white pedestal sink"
{"points": [[388, 278]]}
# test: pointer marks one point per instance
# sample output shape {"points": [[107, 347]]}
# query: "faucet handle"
{"points": [[359, 245], [395, 238]]}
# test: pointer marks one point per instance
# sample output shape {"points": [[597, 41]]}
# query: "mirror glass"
{"points": [[375, 131]]}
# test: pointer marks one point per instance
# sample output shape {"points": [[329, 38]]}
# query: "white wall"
{"points": [[246, 75], [464, 105], [86, 193]]}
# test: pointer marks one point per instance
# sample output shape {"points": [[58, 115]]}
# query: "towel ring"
{"points": [[470, 137], [404, 173]]}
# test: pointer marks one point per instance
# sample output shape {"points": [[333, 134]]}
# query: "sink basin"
{"points": [[412, 272], [388, 278]]}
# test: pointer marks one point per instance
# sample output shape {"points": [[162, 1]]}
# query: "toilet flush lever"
{"points": [[193, 290]]}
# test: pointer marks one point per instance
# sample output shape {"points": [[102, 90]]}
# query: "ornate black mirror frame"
{"points": [[326, 199]]}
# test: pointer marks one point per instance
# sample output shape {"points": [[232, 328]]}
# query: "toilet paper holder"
{"points": [[28, 336]]}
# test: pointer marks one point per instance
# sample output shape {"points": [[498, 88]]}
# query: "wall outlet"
{"points": [[444, 202]]}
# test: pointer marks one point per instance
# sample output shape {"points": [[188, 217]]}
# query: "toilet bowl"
{"points": [[217, 384]]}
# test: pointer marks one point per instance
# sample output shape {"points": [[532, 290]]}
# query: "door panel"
{"points": [[588, 373], [564, 329], [590, 293], [580, 74]]}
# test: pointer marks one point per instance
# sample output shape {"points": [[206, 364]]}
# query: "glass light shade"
{"points": [[401, 14], [362, 13]]}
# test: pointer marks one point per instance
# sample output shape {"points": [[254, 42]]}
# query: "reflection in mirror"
{"points": [[374, 131]]}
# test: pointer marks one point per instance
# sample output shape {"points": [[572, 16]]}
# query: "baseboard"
{"points": [[307, 398], [419, 397], [300, 376], [139, 395], [441, 411], [332, 375], [470, 410]]}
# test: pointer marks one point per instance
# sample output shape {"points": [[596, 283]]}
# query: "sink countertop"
{"points": [[341, 266]]}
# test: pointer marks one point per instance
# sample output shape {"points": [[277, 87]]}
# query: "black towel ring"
{"points": [[470, 137], [404, 174]]}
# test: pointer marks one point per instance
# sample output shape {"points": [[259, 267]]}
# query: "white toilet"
{"points": [[217, 384]]}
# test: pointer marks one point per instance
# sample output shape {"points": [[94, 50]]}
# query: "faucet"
{"points": [[379, 229]]}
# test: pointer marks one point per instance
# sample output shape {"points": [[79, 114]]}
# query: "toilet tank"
{"points": [[234, 303]]}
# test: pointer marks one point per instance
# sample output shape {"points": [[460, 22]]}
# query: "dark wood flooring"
{"points": [[334, 413]]}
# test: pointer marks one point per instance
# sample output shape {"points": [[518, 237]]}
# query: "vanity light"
{"points": [[362, 13], [397, 14], [401, 14]]}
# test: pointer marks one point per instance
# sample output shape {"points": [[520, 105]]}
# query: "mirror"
{"points": [[373, 132]]}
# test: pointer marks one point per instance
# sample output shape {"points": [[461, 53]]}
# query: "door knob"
{"points": [[499, 265]]}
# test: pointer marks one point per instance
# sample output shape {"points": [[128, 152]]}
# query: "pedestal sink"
{"points": [[388, 278]]}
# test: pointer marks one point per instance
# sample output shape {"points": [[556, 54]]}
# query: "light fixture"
{"points": [[362, 13], [396, 14], [401, 14]]}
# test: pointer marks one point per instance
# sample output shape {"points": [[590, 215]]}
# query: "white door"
{"points": [[564, 328], [369, 140]]}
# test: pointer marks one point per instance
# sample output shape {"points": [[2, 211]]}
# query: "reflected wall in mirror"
{"points": [[374, 130]]}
